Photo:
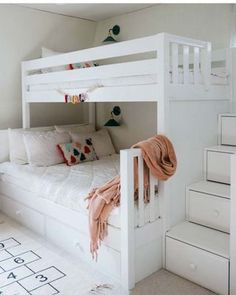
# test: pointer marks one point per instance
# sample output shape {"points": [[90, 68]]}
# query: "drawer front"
{"points": [[218, 166], [209, 210], [24, 215], [199, 266], [77, 243], [228, 130]]}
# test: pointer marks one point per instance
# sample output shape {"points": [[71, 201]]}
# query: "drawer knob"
{"points": [[216, 213], [192, 266], [19, 213], [76, 244]]}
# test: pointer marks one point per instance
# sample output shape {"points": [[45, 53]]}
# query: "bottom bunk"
{"points": [[50, 201]]}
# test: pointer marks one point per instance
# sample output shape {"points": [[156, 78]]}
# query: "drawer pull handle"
{"points": [[216, 213], [192, 266]]}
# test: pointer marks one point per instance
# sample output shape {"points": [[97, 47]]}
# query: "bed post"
{"points": [[163, 64], [127, 221], [25, 104]]}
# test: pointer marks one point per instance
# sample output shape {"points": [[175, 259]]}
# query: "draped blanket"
{"points": [[159, 159]]}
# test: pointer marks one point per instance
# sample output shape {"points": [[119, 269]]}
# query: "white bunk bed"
{"points": [[131, 251]]}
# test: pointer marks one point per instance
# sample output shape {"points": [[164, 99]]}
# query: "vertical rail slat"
{"points": [[175, 62], [206, 64], [140, 192], [186, 63], [196, 64], [152, 182], [127, 220]]}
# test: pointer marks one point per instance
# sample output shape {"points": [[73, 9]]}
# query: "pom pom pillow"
{"points": [[101, 141], [77, 152]]}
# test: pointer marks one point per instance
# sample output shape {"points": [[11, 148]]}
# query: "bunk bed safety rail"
{"points": [[146, 212], [192, 57]]}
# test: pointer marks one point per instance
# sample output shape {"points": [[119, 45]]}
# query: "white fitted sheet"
{"points": [[68, 186]]}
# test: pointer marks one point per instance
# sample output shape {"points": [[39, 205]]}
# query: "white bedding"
{"points": [[67, 186]]}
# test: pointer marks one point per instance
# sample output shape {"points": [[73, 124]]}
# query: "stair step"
{"points": [[211, 188], [217, 163], [208, 204], [201, 237], [200, 255], [227, 129]]}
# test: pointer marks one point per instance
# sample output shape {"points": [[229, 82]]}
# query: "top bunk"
{"points": [[145, 69]]}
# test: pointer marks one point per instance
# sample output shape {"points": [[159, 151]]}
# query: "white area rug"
{"points": [[28, 265]]}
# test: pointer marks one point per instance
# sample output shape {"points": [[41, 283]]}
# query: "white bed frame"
{"points": [[129, 253]]}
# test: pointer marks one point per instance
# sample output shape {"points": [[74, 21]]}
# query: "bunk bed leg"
{"points": [[127, 250], [25, 105]]}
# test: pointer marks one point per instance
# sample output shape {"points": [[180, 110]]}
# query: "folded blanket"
{"points": [[159, 158]]}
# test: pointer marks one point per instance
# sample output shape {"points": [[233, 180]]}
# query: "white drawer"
{"points": [[228, 130], [24, 215], [77, 243], [209, 210], [218, 166], [199, 266]]}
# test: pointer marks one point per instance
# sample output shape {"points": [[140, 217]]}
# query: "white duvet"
{"points": [[64, 185], [68, 186]]}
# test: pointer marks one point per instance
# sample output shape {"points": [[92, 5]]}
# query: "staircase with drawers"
{"points": [[198, 248]]}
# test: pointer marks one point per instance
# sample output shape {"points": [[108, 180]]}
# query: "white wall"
{"points": [[22, 33], [211, 22]]}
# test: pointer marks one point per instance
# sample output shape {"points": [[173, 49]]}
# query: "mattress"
{"points": [[219, 76], [68, 186]]}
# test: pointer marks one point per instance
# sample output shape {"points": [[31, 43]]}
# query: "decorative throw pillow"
{"points": [[101, 141], [80, 128], [41, 147], [77, 152], [17, 150]]}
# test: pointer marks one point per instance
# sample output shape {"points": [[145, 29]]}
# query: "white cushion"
{"points": [[101, 141], [80, 128], [41, 147], [17, 151], [46, 52]]}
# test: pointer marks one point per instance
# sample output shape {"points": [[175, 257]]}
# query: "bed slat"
{"points": [[196, 69], [140, 192], [186, 64], [175, 63], [153, 182], [134, 68]]}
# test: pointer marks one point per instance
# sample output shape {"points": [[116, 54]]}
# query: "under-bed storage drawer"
{"points": [[218, 166], [77, 243], [202, 267], [209, 210], [24, 215]]}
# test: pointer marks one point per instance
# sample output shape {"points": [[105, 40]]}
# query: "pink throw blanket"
{"points": [[159, 158]]}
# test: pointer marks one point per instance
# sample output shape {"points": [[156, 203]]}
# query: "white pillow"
{"points": [[41, 147], [17, 151], [101, 141], [80, 128], [46, 52]]}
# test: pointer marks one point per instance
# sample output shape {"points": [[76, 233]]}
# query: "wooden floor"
{"points": [[31, 266]]}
